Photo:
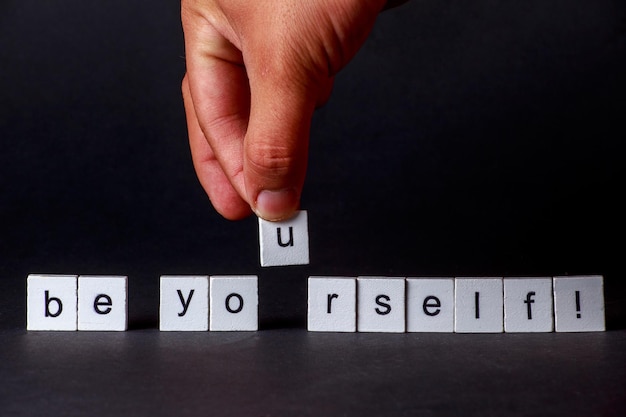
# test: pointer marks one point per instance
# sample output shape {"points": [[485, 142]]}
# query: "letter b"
{"points": [[59, 305]]}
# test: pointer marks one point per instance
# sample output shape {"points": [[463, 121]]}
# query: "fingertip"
{"points": [[276, 205], [233, 212], [224, 197]]}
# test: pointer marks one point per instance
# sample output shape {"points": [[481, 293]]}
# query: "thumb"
{"points": [[277, 140]]}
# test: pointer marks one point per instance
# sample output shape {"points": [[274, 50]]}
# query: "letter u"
{"points": [[280, 240]]}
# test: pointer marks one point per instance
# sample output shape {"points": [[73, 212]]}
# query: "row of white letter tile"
{"points": [[71, 302], [335, 304], [218, 303], [462, 305]]}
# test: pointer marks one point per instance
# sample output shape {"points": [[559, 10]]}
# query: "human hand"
{"points": [[256, 71]]}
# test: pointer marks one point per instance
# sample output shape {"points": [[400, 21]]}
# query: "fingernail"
{"points": [[276, 205]]}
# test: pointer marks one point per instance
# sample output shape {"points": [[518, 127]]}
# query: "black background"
{"points": [[475, 138]]}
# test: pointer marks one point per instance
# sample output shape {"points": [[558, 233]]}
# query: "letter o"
{"points": [[239, 308]]}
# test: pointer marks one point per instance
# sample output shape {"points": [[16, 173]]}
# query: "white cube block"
{"points": [[381, 304], [51, 302], [234, 303], [430, 305], [285, 242], [184, 303], [528, 305], [579, 303], [478, 305], [102, 303], [331, 304]]}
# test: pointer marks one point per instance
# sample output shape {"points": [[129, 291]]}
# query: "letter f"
{"points": [[529, 300]]}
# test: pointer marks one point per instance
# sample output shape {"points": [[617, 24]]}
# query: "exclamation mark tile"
{"points": [[579, 304]]}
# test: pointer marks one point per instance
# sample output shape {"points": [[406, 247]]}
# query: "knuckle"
{"points": [[270, 159]]}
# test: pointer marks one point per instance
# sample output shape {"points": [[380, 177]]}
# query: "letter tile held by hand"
{"points": [[285, 242]]}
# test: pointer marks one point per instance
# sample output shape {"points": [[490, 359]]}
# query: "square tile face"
{"points": [[430, 305], [478, 305], [51, 302], [528, 305], [331, 304], [234, 303], [102, 303], [184, 303], [285, 242], [381, 304], [579, 304]]}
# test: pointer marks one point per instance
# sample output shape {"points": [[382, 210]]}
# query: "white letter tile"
{"points": [[381, 304], [331, 304], [430, 305], [579, 304], [102, 303], [285, 242], [184, 303], [51, 302], [234, 303], [478, 305], [528, 305]]}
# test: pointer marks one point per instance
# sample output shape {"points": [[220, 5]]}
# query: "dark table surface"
{"points": [[292, 372], [465, 139]]}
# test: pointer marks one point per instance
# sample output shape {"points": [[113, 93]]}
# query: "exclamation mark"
{"points": [[577, 304]]}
